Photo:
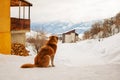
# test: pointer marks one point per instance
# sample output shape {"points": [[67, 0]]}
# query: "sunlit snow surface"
{"points": [[84, 60]]}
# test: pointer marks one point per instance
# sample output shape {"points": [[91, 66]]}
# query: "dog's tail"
{"points": [[28, 66]]}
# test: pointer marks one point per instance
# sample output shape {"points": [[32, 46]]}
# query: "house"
{"points": [[70, 37], [11, 29], [21, 24]]}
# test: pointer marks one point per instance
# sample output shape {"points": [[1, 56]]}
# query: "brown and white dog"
{"points": [[46, 53]]}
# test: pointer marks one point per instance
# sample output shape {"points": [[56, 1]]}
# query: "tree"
{"points": [[86, 35], [96, 28], [117, 22], [107, 29], [38, 40]]}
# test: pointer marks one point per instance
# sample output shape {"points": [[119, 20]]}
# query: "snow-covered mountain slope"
{"points": [[60, 27]]}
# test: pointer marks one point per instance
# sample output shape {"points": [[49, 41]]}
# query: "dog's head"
{"points": [[53, 39]]}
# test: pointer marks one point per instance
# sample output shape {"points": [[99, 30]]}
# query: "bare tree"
{"points": [[117, 22], [86, 35], [38, 40], [96, 28], [107, 27]]}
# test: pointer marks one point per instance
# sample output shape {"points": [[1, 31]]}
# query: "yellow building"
{"points": [[5, 35], [14, 26]]}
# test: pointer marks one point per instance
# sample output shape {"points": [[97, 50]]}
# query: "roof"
{"points": [[71, 31], [15, 3]]}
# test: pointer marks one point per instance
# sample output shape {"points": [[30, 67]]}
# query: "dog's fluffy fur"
{"points": [[46, 53]]}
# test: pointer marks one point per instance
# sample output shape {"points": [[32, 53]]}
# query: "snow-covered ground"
{"points": [[84, 60]]}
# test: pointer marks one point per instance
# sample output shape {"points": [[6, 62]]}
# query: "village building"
{"points": [[21, 24], [13, 29], [70, 37]]}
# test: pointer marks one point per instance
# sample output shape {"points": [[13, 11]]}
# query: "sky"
{"points": [[73, 10]]}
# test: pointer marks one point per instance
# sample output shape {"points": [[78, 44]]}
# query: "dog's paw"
{"points": [[53, 65], [50, 66]]}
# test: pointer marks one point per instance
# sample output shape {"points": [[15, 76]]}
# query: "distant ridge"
{"points": [[61, 27]]}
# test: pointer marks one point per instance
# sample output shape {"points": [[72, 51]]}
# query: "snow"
{"points": [[84, 60]]}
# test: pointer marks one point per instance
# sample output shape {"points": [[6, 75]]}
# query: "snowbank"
{"points": [[111, 48], [90, 52]]}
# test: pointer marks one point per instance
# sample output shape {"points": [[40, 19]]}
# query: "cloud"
{"points": [[73, 10]]}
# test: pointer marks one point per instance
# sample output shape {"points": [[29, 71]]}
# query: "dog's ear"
{"points": [[50, 37], [56, 37]]}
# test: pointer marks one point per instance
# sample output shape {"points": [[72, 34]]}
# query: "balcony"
{"points": [[20, 24]]}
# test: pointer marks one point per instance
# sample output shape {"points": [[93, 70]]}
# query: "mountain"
{"points": [[61, 27]]}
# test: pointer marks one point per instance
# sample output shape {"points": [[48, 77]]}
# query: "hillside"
{"points": [[108, 27], [60, 27]]}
